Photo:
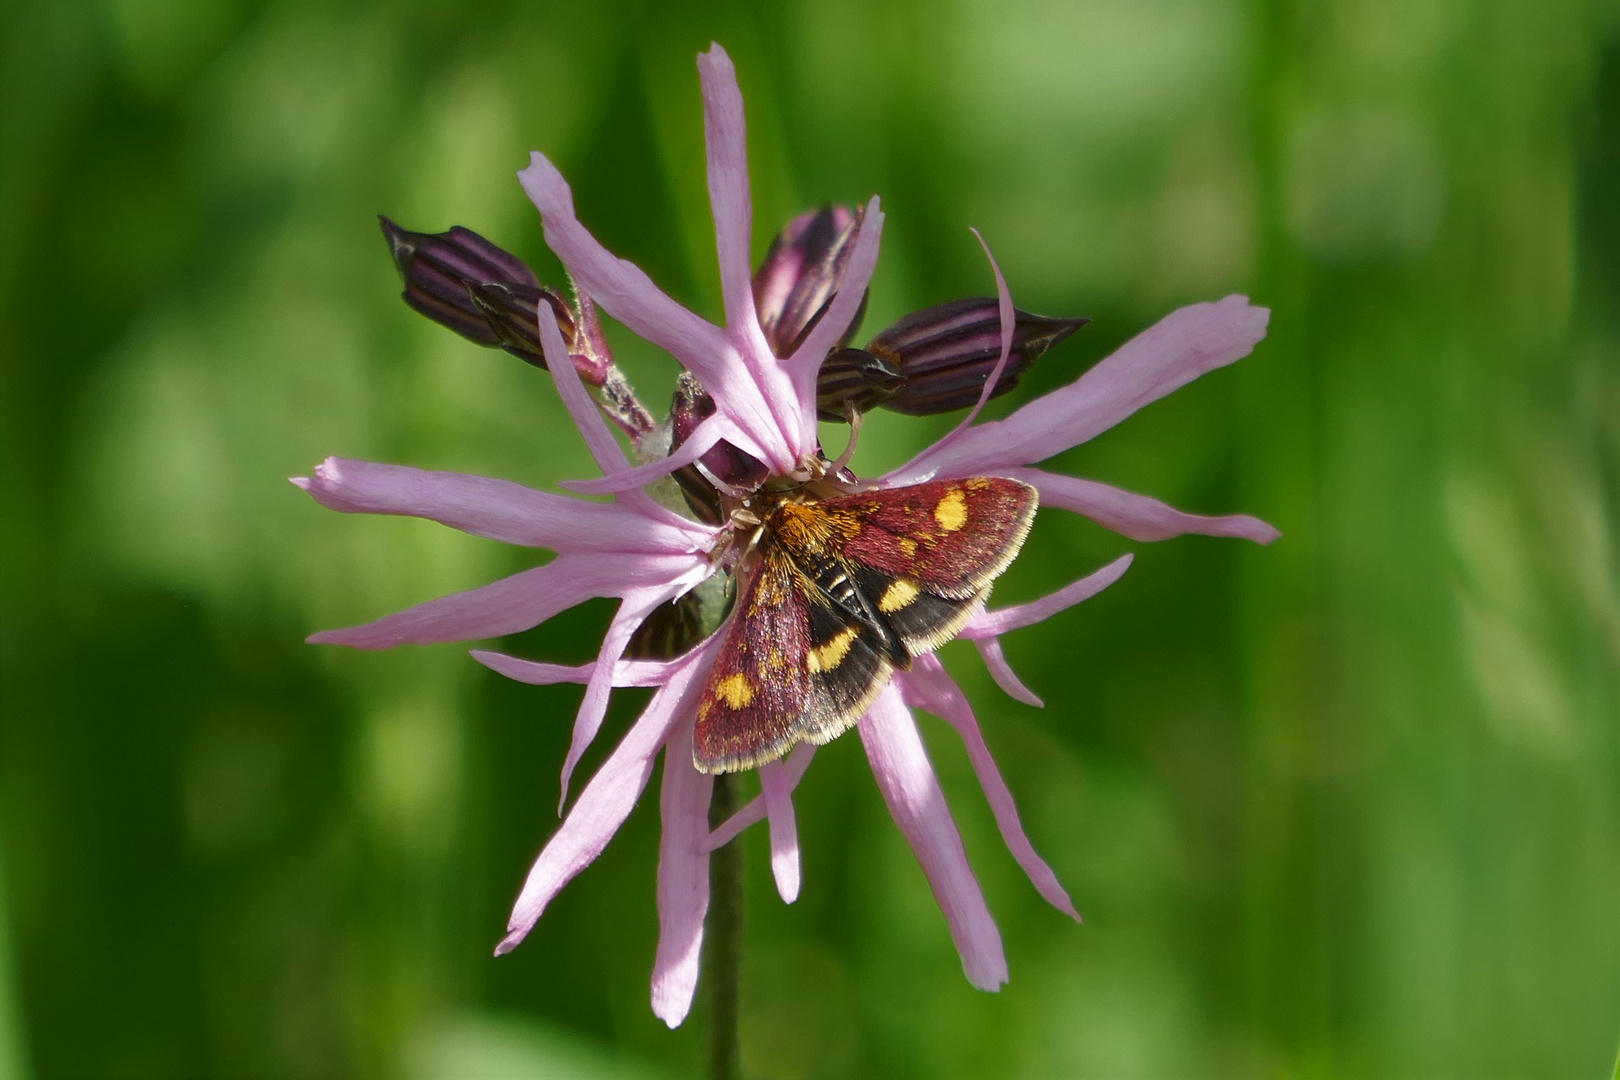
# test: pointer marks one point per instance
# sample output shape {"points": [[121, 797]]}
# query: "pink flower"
{"points": [[636, 550]]}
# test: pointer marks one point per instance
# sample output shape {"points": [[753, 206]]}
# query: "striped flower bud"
{"points": [[852, 381], [945, 353], [801, 274], [513, 313], [487, 295], [670, 630]]}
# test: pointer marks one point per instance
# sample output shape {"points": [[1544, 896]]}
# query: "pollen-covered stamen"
{"points": [[741, 535]]}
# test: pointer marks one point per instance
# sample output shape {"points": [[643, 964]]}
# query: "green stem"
{"points": [[722, 943]]}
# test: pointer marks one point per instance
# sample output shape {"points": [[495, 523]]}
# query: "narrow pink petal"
{"points": [[593, 428], [805, 363], [794, 768], [1177, 349], [619, 286], [777, 791], [514, 603], [1136, 516], [1001, 671], [628, 294], [502, 607], [725, 134], [633, 610], [929, 686], [904, 776], [598, 436], [1004, 310], [607, 800], [702, 439], [625, 672], [683, 879], [1008, 316], [990, 624], [497, 509], [726, 142]]}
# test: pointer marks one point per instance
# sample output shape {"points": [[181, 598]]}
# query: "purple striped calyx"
{"points": [[945, 353], [482, 292]]}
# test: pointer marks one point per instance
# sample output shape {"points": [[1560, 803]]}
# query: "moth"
{"points": [[836, 590]]}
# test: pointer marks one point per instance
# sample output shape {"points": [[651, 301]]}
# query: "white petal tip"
{"points": [[511, 941], [672, 1007], [303, 482]]}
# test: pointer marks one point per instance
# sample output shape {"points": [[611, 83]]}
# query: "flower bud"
{"points": [[512, 312], [670, 630], [487, 295], [691, 406], [854, 380], [945, 353], [801, 274]]}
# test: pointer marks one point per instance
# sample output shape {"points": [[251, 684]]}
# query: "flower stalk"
{"points": [[722, 945]]}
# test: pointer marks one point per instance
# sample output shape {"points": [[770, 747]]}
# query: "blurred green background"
{"points": [[1342, 807]]}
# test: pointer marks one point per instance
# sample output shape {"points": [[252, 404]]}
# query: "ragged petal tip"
{"points": [[546, 188], [989, 982]]}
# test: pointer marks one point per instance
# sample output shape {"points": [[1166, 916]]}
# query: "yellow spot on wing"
{"points": [[901, 591], [735, 691], [830, 655], [908, 546], [951, 513]]}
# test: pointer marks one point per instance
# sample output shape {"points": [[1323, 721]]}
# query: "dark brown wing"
{"points": [[953, 537], [842, 592], [792, 667], [921, 557]]}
